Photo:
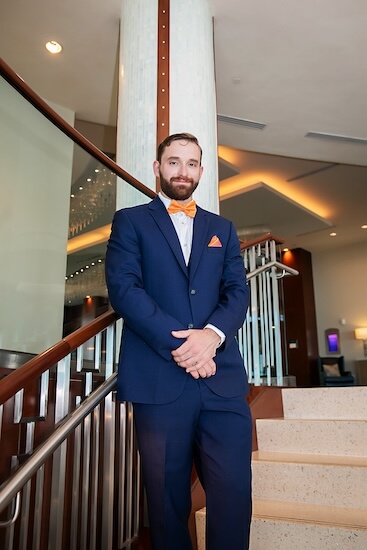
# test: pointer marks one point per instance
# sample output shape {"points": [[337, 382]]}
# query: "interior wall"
{"points": [[341, 297], [103, 137], [35, 178]]}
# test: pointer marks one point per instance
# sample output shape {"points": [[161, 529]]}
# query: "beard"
{"points": [[178, 192]]}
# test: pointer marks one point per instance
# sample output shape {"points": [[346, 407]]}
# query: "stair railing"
{"points": [[69, 465], [72, 465], [85, 467], [261, 336]]}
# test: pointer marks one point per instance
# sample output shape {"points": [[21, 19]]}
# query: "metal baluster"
{"points": [[277, 336], [122, 475], [79, 358], [18, 406], [38, 500], [94, 479], [26, 492], [129, 478], [271, 305], [137, 492], [9, 538], [97, 352], [109, 449], [59, 457], [74, 529], [43, 400], [85, 471]]}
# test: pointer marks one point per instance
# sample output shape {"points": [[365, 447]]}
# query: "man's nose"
{"points": [[182, 170]]}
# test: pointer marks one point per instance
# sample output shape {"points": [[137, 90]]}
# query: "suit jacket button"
{"points": [[190, 325], [193, 291]]}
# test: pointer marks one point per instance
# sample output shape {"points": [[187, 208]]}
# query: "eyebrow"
{"points": [[179, 158]]}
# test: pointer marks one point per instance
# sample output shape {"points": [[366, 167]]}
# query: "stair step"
{"points": [[310, 479], [321, 437], [279, 525], [289, 526], [346, 403]]}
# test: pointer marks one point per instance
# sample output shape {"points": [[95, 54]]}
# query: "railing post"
{"points": [[59, 458]]}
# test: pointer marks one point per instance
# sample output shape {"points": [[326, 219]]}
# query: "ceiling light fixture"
{"points": [[53, 47], [332, 234], [364, 226]]}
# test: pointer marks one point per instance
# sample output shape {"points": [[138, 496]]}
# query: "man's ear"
{"points": [[201, 171], [156, 166]]}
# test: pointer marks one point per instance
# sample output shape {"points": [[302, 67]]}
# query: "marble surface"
{"points": [[291, 535], [329, 437], [348, 403], [334, 484], [289, 526], [310, 474]]}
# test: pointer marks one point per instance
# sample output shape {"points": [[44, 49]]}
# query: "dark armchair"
{"points": [[332, 373]]}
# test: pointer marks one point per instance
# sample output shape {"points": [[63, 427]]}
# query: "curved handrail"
{"points": [[33, 368], [15, 483], [260, 240], [24, 375], [18, 83], [285, 268]]}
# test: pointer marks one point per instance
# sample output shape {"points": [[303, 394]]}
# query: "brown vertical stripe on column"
{"points": [[163, 72]]}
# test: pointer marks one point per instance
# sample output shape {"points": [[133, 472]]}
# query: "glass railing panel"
{"points": [[92, 206], [57, 204]]}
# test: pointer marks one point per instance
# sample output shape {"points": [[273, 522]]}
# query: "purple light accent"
{"points": [[333, 343]]}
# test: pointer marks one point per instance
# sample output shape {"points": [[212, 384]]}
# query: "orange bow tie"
{"points": [[189, 209]]}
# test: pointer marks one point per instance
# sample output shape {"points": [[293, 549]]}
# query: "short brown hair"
{"points": [[177, 137]]}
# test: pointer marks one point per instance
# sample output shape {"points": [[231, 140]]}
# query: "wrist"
{"points": [[214, 336]]}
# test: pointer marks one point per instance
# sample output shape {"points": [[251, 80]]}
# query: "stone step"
{"points": [[278, 525], [321, 437], [290, 526], [310, 479], [346, 403]]}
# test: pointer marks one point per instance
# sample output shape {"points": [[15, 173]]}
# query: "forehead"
{"points": [[182, 149]]}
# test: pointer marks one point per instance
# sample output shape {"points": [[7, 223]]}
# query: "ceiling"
{"points": [[292, 68]]}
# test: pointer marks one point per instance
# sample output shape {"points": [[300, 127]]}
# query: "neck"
{"points": [[183, 201]]}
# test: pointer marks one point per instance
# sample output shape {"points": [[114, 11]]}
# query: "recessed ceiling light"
{"points": [[53, 46], [285, 249], [332, 234], [364, 226]]}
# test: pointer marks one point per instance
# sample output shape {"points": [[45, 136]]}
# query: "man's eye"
{"points": [[173, 162]]}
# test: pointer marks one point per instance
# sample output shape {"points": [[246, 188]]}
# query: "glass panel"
{"points": [[49, 265], [92, 205]]}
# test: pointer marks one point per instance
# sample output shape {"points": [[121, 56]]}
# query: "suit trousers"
{"points": [[215, 433]]}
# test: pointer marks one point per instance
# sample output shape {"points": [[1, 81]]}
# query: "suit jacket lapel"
{"points": [[199, 240], [163, 221]]}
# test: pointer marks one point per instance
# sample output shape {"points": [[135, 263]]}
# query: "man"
{"points": [[178, 281]]}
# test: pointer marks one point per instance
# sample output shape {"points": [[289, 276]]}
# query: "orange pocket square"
{"points": [[215, 242]]}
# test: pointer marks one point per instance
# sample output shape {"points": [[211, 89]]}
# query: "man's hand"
{"points": [[196, 354]]}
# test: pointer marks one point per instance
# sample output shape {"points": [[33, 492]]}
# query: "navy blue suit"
{"points": [[178, 418]]}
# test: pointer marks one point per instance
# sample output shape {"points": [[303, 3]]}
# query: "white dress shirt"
{"points": [[184, 226]]}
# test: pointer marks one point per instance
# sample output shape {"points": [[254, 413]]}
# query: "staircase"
{"points": [[310, 473]]}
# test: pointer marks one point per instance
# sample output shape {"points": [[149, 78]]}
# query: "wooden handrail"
{"points": [[18, 83], [261, 239], [32, 369], [24, 375]]}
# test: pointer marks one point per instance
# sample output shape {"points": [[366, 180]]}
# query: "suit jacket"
{"points": [[155, 292]]}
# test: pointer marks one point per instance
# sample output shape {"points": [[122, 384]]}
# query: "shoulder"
{"points": [[215, 218], [136, 211]]}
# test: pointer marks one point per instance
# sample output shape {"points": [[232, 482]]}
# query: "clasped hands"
{"points": [[196, 354]]}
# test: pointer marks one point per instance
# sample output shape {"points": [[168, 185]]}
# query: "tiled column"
{"points": [[191, 90]]}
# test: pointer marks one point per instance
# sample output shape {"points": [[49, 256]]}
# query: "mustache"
{"points": [[182, 178]]}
